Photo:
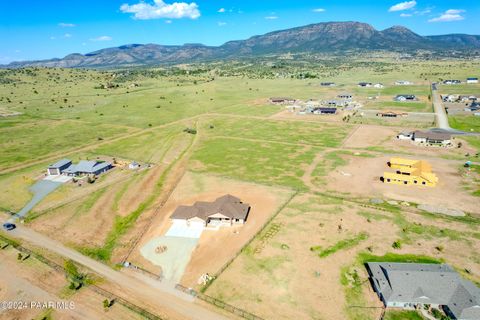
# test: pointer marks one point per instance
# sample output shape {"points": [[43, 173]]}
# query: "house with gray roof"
{"points": [[224, 211], [86, 167], [413, 285], [58, 167]]}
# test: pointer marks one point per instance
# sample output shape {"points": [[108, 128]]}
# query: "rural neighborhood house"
{"points": [[416, 285], [224, 211]]}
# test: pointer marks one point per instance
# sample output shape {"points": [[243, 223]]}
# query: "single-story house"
{"points": [[415, 285], [472, 80], [405, 135], [346, 96], [224, 211], [282, 100], [452, 81], [58, 167], [467, 98], [133, 165], [327, 84], [364, 84], [378, 85], [438, 138], [450, 98], [403, 83], [475, 106], [86, 167], [405, 97], [325, 110], [391, 114]]}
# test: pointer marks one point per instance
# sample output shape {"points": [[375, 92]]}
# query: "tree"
{"points": [[397, 244]]}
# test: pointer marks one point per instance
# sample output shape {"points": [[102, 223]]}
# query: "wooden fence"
{"points": [[218, 303]]}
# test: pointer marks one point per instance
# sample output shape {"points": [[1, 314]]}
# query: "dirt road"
{"points": [[152, 292], [441, 114]]}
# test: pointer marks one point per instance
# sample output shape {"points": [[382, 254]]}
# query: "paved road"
{"points": [[151, 291], [441, 114]]}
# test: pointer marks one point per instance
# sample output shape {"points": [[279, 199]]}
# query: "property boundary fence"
{"points": [[97, 289], [229, 262], [218, 303]]}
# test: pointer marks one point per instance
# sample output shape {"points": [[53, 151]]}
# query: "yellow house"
{"points": [[410, 172]]}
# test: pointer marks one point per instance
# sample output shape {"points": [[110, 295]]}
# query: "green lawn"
{"points": [[468, 123], [402, 315]]}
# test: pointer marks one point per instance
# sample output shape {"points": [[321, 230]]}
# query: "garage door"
{"points": [[179, 228]]}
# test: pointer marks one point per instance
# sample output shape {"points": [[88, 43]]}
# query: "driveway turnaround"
{"points": [[172, 254], [172, 251]]}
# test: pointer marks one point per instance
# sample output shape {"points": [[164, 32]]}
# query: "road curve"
{"points": [[151, 291]]}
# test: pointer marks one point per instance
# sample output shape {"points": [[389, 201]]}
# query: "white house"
{"points": [[403, 83], [378, 85], [472, 80], [405, 136]]}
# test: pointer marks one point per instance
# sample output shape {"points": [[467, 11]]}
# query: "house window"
{"points": [[405, 182], [388, 180], [415, 181], [423, 182]]}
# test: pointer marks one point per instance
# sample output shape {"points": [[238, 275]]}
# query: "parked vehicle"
{"points": [[9, 226]]}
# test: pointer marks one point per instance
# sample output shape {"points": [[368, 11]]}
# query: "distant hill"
{"points": [[328, 37]]}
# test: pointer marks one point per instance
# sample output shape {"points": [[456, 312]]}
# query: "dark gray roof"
{"points": [[226, 205], [60, 163], [86, 166], [426, 284]]}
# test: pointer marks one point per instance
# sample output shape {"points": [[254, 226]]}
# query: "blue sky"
{"points": [[40, 29]]}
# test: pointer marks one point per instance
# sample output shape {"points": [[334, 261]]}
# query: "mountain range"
{"points": [[328, 37]]}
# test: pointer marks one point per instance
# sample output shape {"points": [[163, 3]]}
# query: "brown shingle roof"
{"points": [[432, 135], [226, 205]]}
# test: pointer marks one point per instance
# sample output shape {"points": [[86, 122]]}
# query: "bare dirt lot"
{"points": [[364, 179], [280, 277], [215, 248]]}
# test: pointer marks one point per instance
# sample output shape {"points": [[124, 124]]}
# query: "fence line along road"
{"points": [[151, 291], [218, 303], [107, 294]]}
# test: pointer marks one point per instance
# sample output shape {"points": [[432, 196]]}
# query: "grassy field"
{"points": [[307, 263], [403, 106], [264, 162], [466, 123]]}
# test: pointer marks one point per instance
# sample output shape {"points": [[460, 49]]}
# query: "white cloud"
{"points": [[403, 6], [221, 10], [405, 15], [221, 23], [101, 38], [168, 21], [160, 9], [449, 15], [319, 10], [66, 25], [271, 17], [67, 35]]}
